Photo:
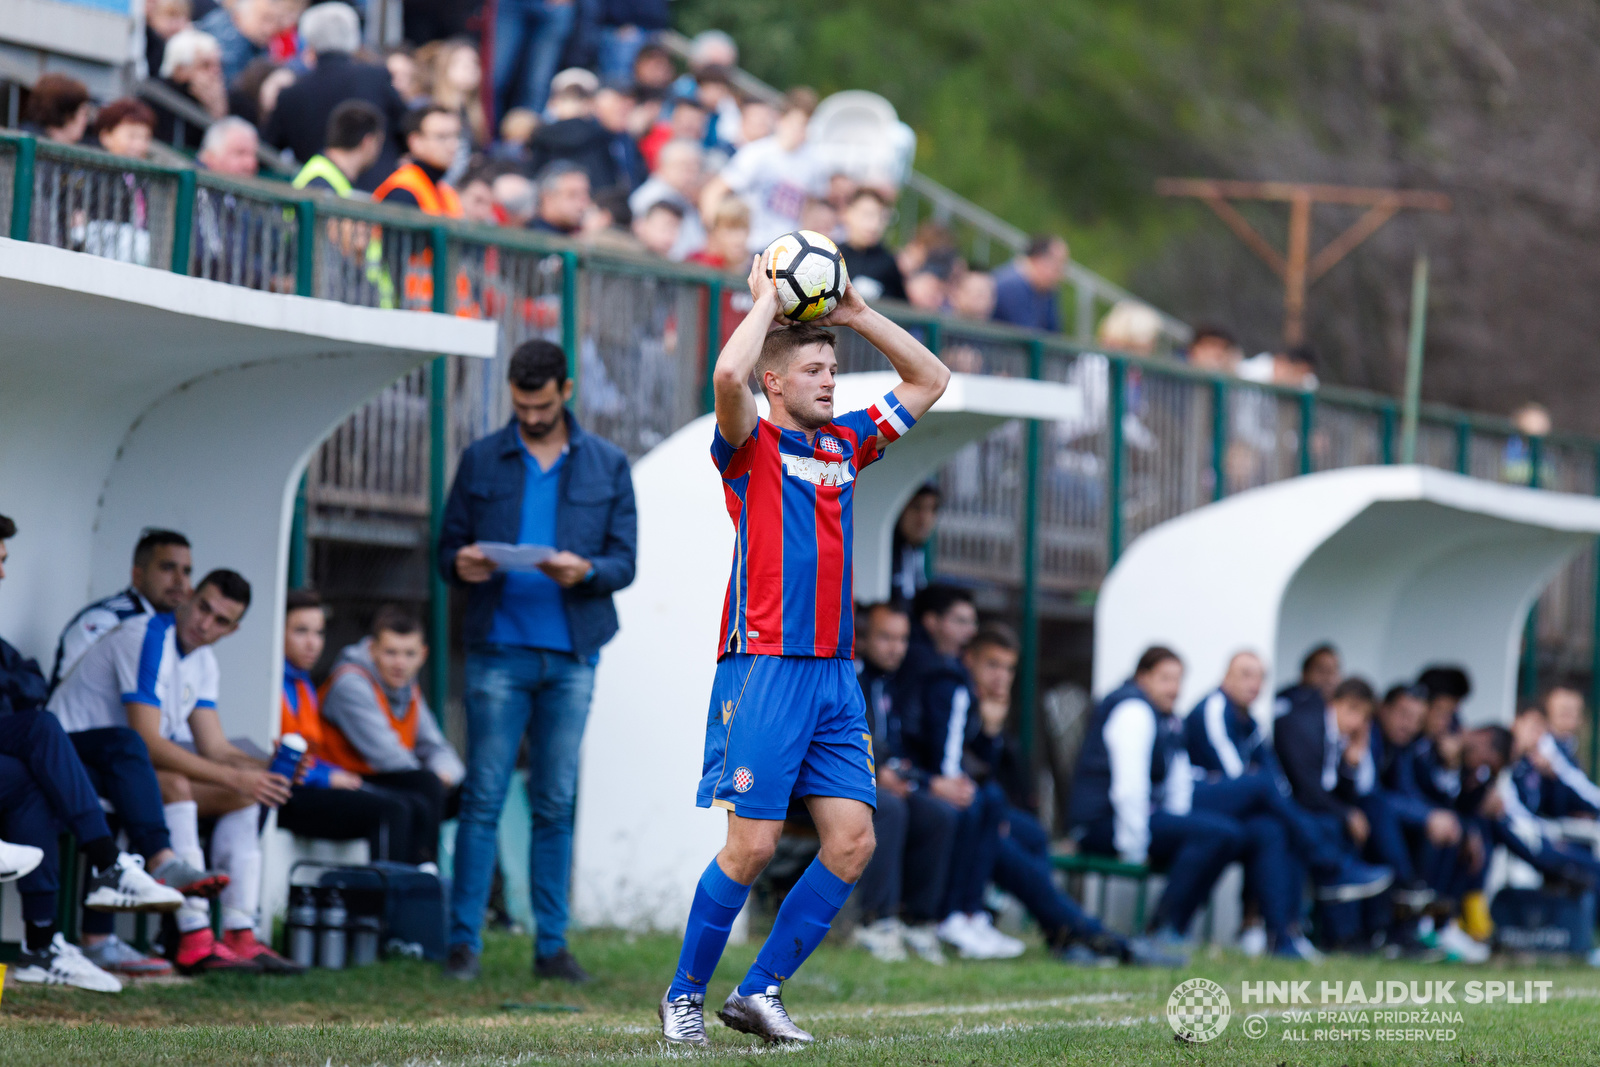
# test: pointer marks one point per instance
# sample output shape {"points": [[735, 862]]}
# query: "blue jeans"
{"points": [[511, 693], [974, 851], [528, 38], [619, 46], [907, 872], [1024, 870]]}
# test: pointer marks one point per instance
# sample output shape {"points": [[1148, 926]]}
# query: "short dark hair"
{"points": [[1211, 331], [1153, 657], [800, 98], [1395, 692], [152, 539], [893, 607], [536, 362], [1039, 244], [127, 109], [1356, 688], [8, 528], [927, 489], [412, 122], [1324, 649], [301, 599], [1445, 681], [996, 635], [665, 205], [353, 122], [781, 345], [614, 202], [55, 99], [1500, 740], [1305, 355], [230, 584], [939, 598], [394, 619]]}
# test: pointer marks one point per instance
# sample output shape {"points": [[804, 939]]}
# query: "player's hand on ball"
{"points": [[762, 288], [473, 566], [849, 306]]}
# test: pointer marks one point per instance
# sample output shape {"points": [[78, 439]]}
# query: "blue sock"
{"points": [[801, 925], [717, 900]]}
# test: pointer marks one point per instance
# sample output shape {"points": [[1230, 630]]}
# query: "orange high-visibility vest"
{"points": [[302, 716], [433, 199], [337, 749]]}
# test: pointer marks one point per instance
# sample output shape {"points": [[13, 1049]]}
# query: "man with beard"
{"points": [[533, 635]]}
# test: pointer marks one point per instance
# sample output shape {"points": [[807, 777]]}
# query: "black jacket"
{"points": [[878, 264], [299, 122], [583, 142], [22, 684], [1300, 737], [934, 690]]}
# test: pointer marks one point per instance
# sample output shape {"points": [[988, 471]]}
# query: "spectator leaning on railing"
{"points": [[59, 108], [872, 266], [431, 135], [1027, 287], [330, 33], [125, 128]]}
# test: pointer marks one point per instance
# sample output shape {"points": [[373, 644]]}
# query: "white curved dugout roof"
{"points": [[641, 843], [1398, 566], [134, 397]]}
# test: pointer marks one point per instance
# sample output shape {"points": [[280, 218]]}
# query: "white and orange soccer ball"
{"points": [[809, 272]]}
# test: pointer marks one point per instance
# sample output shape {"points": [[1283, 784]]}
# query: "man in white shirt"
{"points": [[159, 582], [157, 674], [774, 175]]}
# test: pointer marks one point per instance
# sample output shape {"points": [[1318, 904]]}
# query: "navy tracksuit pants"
{"points": [[43, 788]]}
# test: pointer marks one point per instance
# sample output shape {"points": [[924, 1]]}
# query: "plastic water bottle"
{"points": [[302, 926], [331, 921], [364, 933]]}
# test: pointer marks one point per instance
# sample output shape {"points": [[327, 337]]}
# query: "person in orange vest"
{"points": [[432, 135], [329, 802], [375, 723]]}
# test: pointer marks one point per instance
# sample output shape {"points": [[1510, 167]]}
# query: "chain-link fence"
{"points": [[104, 206]]}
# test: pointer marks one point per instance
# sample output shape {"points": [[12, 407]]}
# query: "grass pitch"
{"points": [[1029, 1011]]}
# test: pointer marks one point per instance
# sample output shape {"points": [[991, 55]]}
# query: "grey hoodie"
{"points": [[352, 706]]}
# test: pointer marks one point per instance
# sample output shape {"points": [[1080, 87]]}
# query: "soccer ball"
{"points": [[809, 272]]}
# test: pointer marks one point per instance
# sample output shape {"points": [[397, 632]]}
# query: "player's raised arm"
{"points": [[730, 380], [922, 377]]}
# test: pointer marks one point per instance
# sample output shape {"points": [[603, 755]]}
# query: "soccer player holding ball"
{"points": [[787, 718]]}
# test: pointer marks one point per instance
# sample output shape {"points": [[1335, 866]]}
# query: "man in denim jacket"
{"points": [[533, 635]]}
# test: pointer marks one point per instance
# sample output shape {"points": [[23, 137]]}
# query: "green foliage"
{"points": [[1051, 113]]}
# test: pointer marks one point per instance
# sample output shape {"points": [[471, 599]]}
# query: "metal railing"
{"points": [[1042, 510]]}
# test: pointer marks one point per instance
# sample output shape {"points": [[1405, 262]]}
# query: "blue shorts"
{"points": [[782, 727]]}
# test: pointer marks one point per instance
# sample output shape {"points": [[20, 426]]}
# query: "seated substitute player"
{"points": [[784, 668]]}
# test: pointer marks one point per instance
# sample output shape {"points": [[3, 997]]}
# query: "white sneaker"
{"points": [[1001, 946], [1253, 942], [127, 887], [1594, 957], [883, 939], [18, 861], [1462, 946], [969, 939], [924, 941], [62, 964]]}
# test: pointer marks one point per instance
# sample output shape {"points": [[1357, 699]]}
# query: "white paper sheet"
{"points": [[508, 557]]}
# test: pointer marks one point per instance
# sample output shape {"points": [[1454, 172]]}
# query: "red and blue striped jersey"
{"points": [[790, 501]]}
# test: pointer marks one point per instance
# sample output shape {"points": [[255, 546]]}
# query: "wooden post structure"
{"points": [[1298, 267]]}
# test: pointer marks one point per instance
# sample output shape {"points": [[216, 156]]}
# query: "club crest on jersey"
{"points": [[743, 780], [817, 471], [830, 444]]}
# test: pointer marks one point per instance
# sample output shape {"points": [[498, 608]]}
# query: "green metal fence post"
{"points": [[305, 249], [1219, 439], [1308, 425], [1028, 675], [708, 393], [22, 189], [1463, 447], [1117, 375], [935, 336], [1594, 650], [1386, 435], [569, 314], [183, 222], [298, 546], [1530, 630], [438, 464]]}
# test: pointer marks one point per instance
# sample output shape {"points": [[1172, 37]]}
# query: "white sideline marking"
{"points": [[988, 1008]]}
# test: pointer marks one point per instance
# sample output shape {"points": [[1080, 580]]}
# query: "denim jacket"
{"points": [[595, 518]]}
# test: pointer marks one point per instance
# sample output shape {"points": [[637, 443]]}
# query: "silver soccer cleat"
{"points": [[683, 1020], [763, 1015]]}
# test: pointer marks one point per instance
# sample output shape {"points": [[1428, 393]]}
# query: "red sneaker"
{"points": [[243, 943], [199, 952]]}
